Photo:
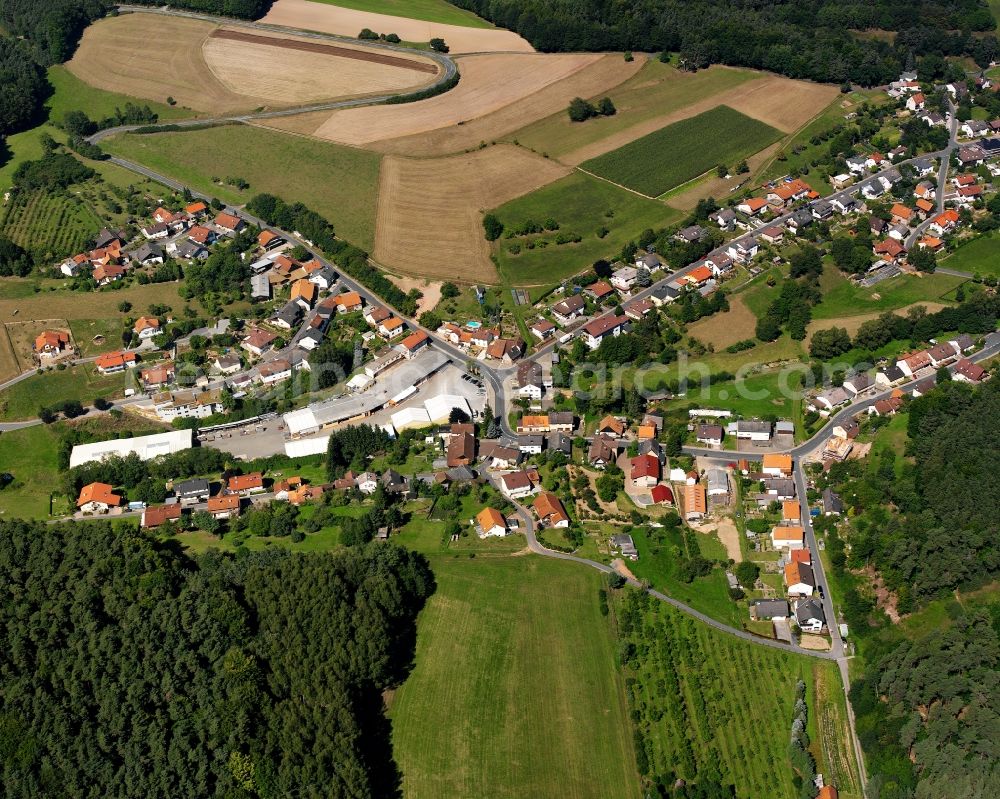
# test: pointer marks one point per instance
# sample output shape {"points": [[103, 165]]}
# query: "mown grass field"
{"points": [[30, 455], [341, 183], [426, 10], [57, 224], [708, 702], [684, 150], [980, 256], [515, 692], [81, 382], [655, 90], [581, 204], [843, 298], [51, 303]]}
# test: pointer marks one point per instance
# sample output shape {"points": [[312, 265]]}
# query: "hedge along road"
{"points": [[449, 74]]}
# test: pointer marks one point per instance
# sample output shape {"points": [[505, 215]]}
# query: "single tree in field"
{"points": [[438, 45], [580, 110], [606, 108]]}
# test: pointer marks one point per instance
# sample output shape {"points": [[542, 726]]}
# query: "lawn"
{"points": [[341, 183], [657, 89], [768, 394], [30, 455], [684, 150], [515, 691], [580, 204], [708, 702], [842, 298], [426, 10], [55, 304], [82, 382], [980, 256]]}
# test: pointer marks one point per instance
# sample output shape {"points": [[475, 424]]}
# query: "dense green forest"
{"points": [[128, 669], [805, 39], [928, 711]]}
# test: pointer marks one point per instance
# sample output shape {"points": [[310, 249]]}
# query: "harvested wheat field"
{"points": [[222, 70], [489, 83], [430, 209], [324, 18], [285, 70], [154, 57], [780, 102], [594, 79]]}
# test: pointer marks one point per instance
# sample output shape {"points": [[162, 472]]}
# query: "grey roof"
{"points": [[892, 373], [561, 418], [148, 250], [771, 608], [651, 446], [189, 249], [784, 427], [196, 485], [531, 441], [290, 313], [667, 292], [831, 502], [860, 381], [753, 426], [561, 442], [808, 609], [692, 233], [802, 217], [718, 480], [260, 286]]}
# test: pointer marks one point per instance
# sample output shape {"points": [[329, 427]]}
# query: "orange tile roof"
{"points": [[146, 323], [791, 510], [98, 492], [414, 340], [196, 207], [695, 498], [244, 482], [304, 289], [223, 502], [777, 460], [488, 518], [111, 360], [700, 274], [755, 203], [228, 221], [348, 299], [548, 506], [156, 515], [790, 532], [56, 339]]}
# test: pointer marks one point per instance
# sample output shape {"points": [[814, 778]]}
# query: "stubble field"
{"points": [[430, 209], [327, 18], [488, 83]]}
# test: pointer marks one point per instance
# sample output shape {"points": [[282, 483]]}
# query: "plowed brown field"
{"points": [[430, 209]]}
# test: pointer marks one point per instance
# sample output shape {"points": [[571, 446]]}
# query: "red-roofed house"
{"points": [[97, 498], [662, 495], [228, 223], [645, 471]]}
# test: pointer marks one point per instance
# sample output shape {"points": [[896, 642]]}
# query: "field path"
{"points": [[348, 22]]}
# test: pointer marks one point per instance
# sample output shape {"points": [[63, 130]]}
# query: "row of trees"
{"points": [[813, 40], [129, 669]]}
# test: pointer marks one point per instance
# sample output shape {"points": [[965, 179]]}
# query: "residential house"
{"points": [[772, 234], [809, 616], [516, 485], [245, 484], [289, 316], [788, 536], [347, 302], [889, 376], [498, 456], [113, 362], [637, 309], [258, 341], [550, 510], [156, 515], [148, 254], [533, 423], [599, 291], [743, 250], [832, 504], [596, 331], [146, 327], [777, 464], [193, 491], [769, 609], [543, 329], [755, 430], [968, 372], [97, 498], [650, 261], [915, 102], [461, 449], [662, 495], [925, 190], [304, 292], [228, 223], [644, 471], [506, 350], [414, 343], [691, 234], [964, 343], [531, 444], [791, 511], [725, 218], [158, 375], [719, 263], [51, 343], [914, 362], [490, 522], [858, 383], [710, 434], [529, 380], [367, 482], [565, 311], [752, 206], [190, 403], [942, 353], [699, 275], [827, 400], [822, 209], [560, 442], [843, 205], [624, 279], [602, 451], [561, 422], [885, 407], [788, 192], [391, 327], [105, 274], [624, 544]]}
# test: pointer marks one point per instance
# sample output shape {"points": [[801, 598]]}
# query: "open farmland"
{"points": [[679, 152], [52, 224], [412, 27], [337, 182], [583, 205], [9, 366], [489, 82], [222, 70], [659, 95], [430, 209], [426, 10], [286, 71], [515, 676], [709, 704]]}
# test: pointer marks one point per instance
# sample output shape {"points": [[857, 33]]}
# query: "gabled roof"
{"points": [[146, 323], [98, 492], [488, 518], [549, 507]]}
